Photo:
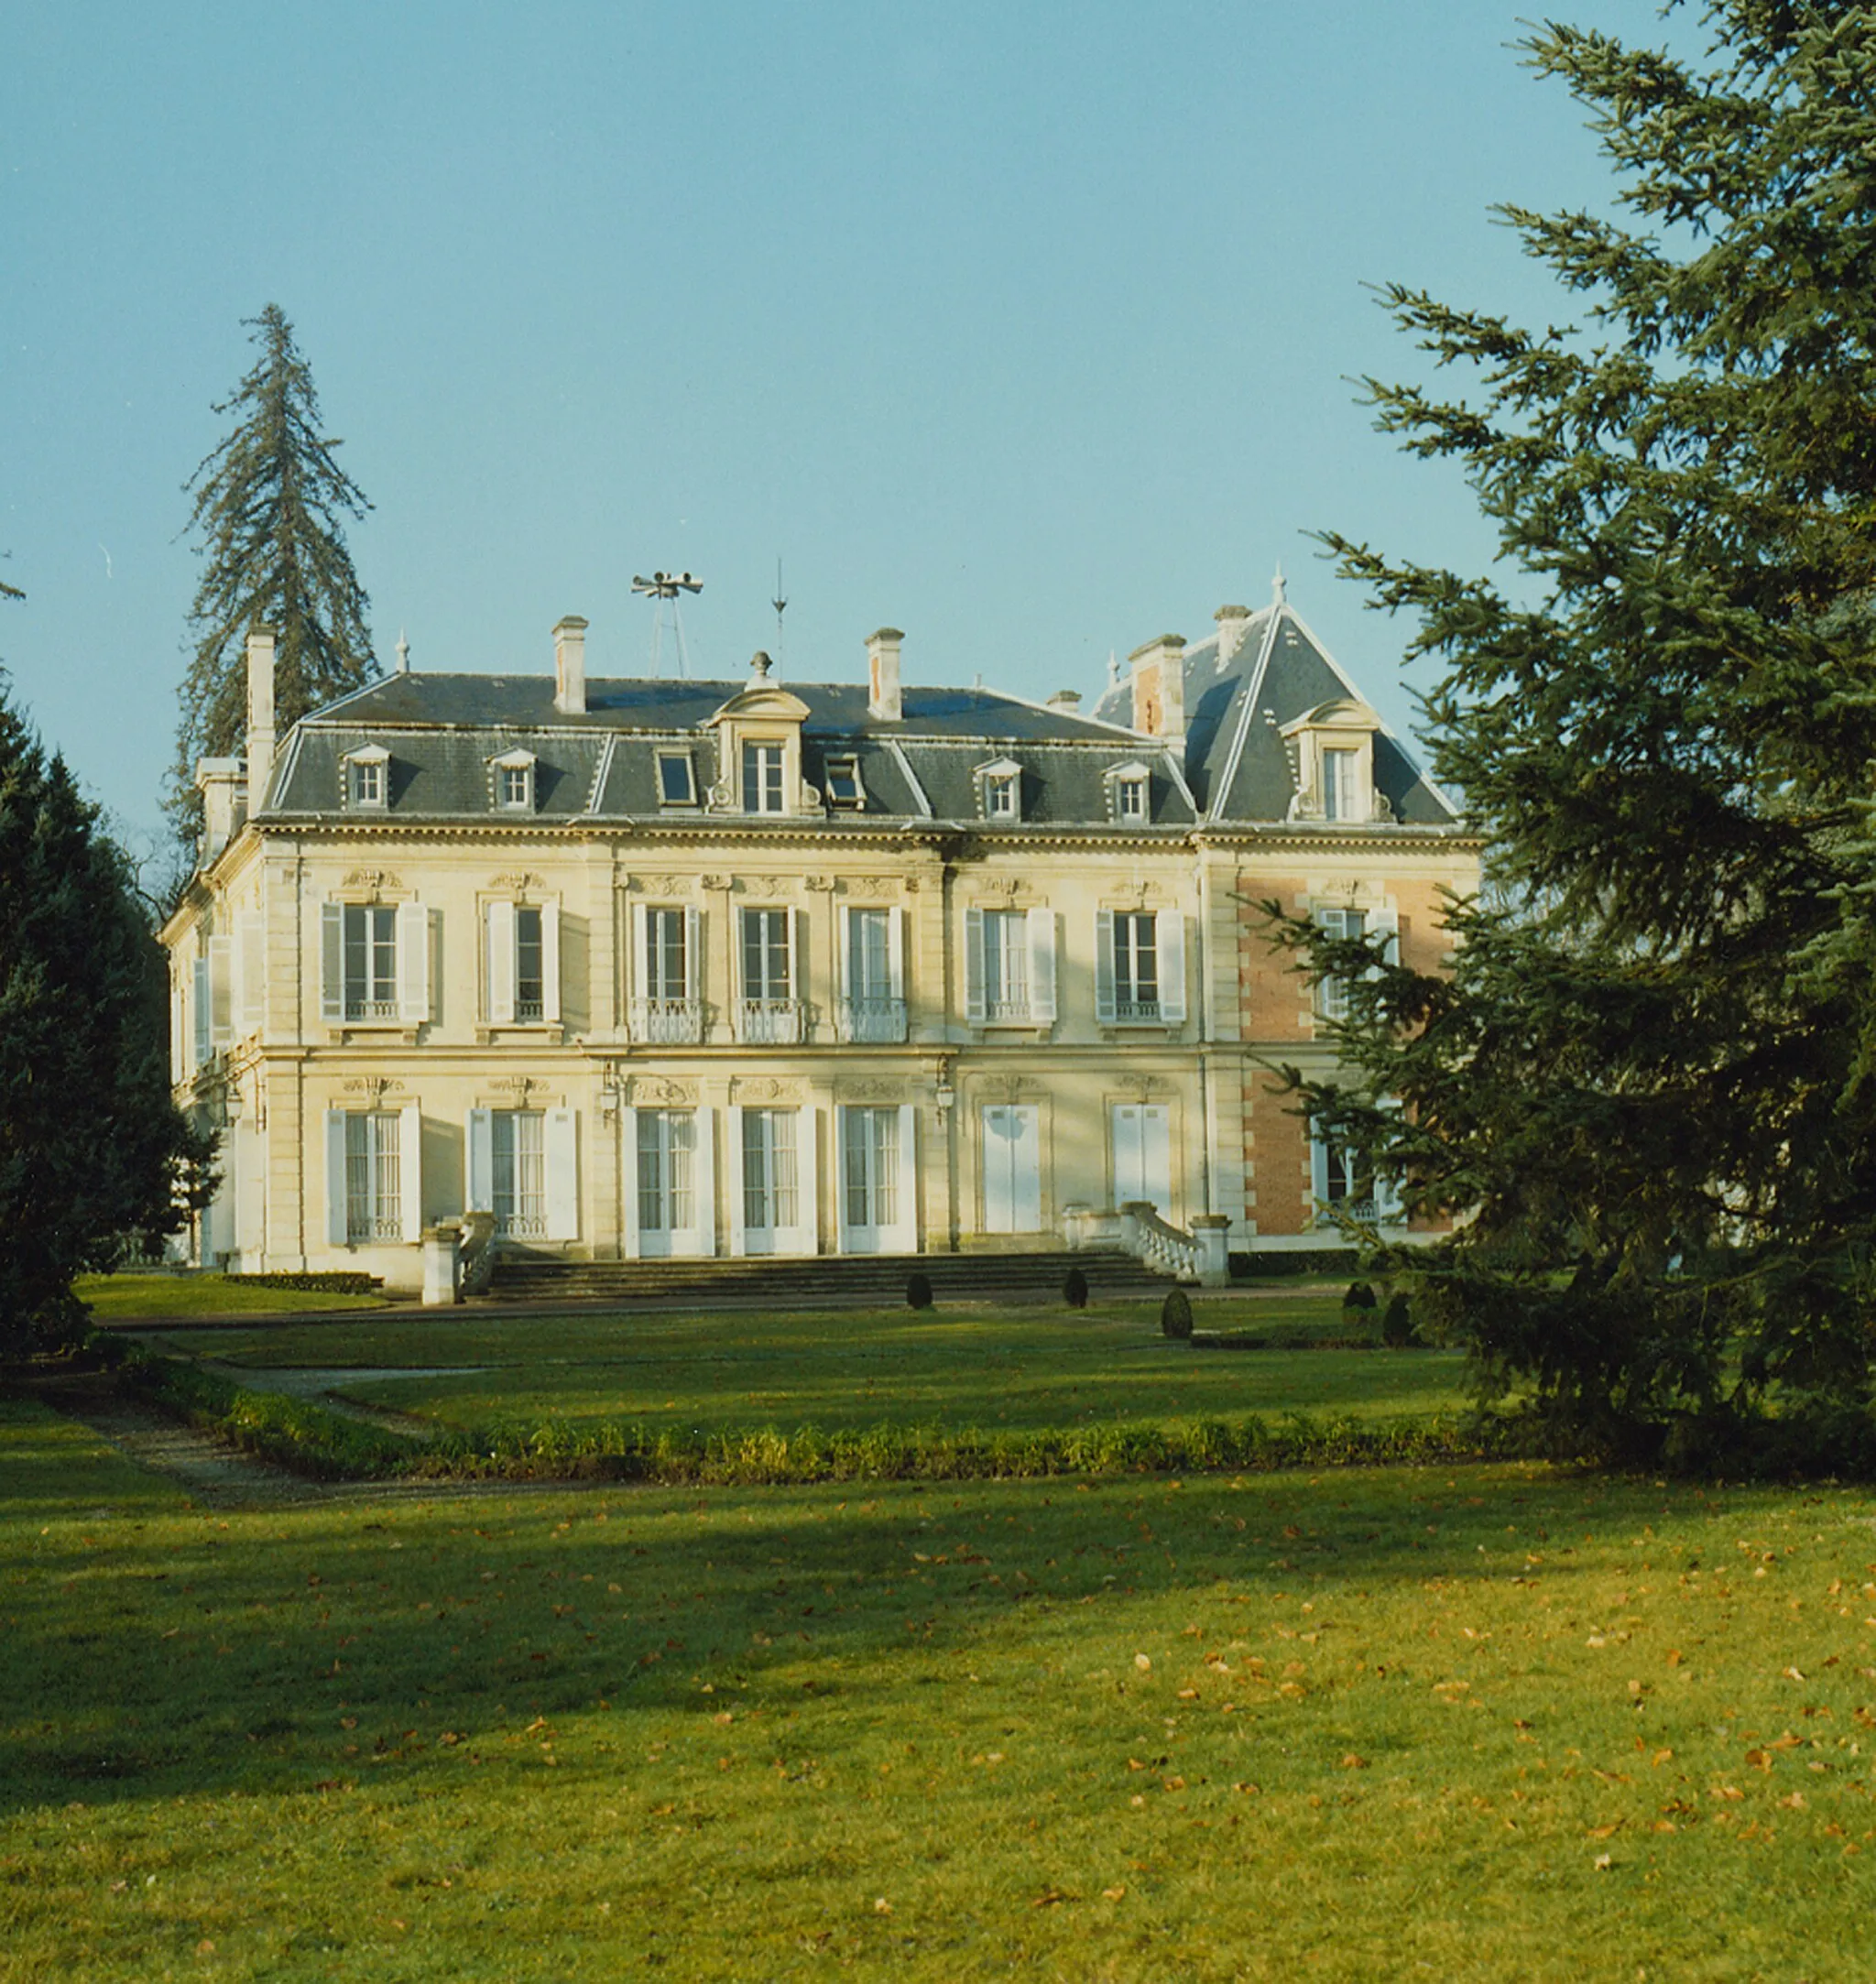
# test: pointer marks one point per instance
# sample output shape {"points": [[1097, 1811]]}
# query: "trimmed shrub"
{"points": [[1275, 1264], [917, 1291], [332, 1282], [1176, 1314], [1397, 1324], [1074, 1289], [1360, 1296]]}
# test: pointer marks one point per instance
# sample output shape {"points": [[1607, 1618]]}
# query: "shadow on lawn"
{"points": [[154, 1650]]}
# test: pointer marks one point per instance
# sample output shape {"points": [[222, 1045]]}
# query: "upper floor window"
{"points": [[665, 1006], [513, 781], [523, 962], [1332, 751], [844, 787], [762, 777], [367, 778], [872, 958], [1009, 965], [1350, 921], [1341, 789], [999, 789], [1130, 798], [677, 782], [770, 1008], [1139, 968]]}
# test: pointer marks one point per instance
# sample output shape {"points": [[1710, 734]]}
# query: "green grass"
{"points": [[1024, 1369], [124, 1297], [1470, 1723]]}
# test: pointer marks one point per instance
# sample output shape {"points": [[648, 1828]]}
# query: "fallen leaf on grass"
{"points": [[1604, 1862], [882, 1906], [1143, 1662], [1112, 1894], [1352, 1762], [1049, 1898]]}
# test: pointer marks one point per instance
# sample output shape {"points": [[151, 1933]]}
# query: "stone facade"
{"points": [[665, 968]]}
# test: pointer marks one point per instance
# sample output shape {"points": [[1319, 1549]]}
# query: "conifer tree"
{"points": [[92, 1149], [1649, 1084], [269, 503]]}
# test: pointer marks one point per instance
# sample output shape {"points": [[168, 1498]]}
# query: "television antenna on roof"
{"points": [[663, 588], [780, 605]]}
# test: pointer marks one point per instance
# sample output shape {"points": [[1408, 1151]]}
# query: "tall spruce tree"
{"points": [[1648, 1086], [91, 1149], [267, 514]]}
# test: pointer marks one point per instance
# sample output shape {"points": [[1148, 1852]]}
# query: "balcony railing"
{"points": [[873, 1022], [668, 1022], [1007, 1012], [1137, 1012], [358, 1009], [769, 1022]]}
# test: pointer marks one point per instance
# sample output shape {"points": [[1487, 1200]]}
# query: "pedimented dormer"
{"points": [[1332, 750], [759, 750]]}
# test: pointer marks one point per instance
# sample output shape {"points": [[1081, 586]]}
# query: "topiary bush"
{"points": [[1074, 1289], [1397, 1324], [918, 1291], [1176, 1314], [1360, 1296]]}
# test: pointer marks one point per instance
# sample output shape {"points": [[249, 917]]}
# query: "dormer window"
{"points": [[762, 787], [844, 787], [1334, 760], [677, 782], [999, 789], [367, 779], [1129, 795], [513, 781]]}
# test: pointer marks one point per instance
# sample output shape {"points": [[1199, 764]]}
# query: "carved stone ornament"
{"points": [[375, 879], [873, 887], [664, 885], [871, 1091], [766, 887], [819, 884], [515, 883], [716, 881], [766, 1088], [655, 1088], [520, 1086], [372, 1087]]}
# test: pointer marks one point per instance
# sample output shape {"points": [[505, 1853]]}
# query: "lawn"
{"points": [[1469, 1723], [733, 1372], [124, 1297]]}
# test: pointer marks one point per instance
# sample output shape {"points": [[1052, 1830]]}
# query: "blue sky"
{"points": [[1028, 329]]}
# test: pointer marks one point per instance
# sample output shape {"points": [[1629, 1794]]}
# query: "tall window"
{"points": [[1332, 994], [770, 1186], [667, 1151], [1006, 964], [871, 1182], [370, 951], [765, 954], [374, 1190], [1345, 1180], [761, 778], [530, 971], [667, 962], [1340, 793], [1136, 965], [869, 954], [519, 1163]]}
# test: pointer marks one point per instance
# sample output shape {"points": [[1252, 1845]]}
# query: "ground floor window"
{"points": [[667, 1153], [374, 1182], [519, 1153], [770, 1175]]}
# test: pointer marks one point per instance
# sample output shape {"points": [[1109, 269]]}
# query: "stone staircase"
{"points": [[806, 1283]]}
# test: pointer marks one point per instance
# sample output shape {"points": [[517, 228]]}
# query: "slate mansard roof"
{"points": [[442, 733]]}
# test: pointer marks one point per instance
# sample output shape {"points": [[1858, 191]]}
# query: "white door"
{"points": [[877, 1184], [1011, 1144], [771, 1181], [667, 1180], [1142, 1139]]}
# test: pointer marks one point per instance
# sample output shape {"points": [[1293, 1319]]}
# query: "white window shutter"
{"points": [[797, 960], [1387, 1191], [628, 1165], [478, 1162], [906, 1228], [641, 952], [221, 990], [808, 1179], [179, 1029], [501, 963], [738, 976], [335, 1177], [332, 951], [842, 1130], [414, 962], [844, 957], [201, 1000], [410, 1171], [1169, 935], [895, 951], [733, 1179], [1386, 924], [974, 966], [693, 957], [703, 1179], [1105, 1009], [250, 976], [551, 958], [1318, 1167], [1043, 965], [561, 1150]]}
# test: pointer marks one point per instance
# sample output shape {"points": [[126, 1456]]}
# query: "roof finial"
{"points": [[1277, 588], [1113, 670], [403, 654]]}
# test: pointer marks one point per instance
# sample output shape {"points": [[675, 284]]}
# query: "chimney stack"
{"points": [[1232, 623], [884, 703], [1067, 701], [1159, 688], [570, 666], [260, 714]]}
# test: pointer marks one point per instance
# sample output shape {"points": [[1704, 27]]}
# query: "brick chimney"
{"points": [[1158, 687], [260, 714], [884, 703], [570, 666], [1232, 623]]}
